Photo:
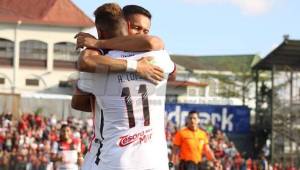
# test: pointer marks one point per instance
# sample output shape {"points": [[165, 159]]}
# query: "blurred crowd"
{"points": [[34, 142], [228, 156]]}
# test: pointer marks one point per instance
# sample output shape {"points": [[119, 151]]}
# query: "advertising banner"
{"points": [[230, 119]]}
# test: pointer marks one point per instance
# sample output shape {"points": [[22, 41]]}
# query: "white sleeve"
{"points": [[163, 60], [86, 82]]}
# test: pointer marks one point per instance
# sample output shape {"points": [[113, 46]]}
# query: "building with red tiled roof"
{"points": [[37, 45], [49, 12], [37, 53]]}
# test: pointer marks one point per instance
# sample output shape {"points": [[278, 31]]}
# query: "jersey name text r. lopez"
{"points": [[128, 77]]}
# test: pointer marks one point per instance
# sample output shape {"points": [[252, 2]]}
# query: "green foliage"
{"points": [[232, 71], [38, 111]]}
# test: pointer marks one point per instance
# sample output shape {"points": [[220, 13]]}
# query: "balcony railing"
{"points": [[65, 64], [33, 63], [4, 61]]}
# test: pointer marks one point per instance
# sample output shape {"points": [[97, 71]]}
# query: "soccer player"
{"points": [[132, 109], [139, 21]]}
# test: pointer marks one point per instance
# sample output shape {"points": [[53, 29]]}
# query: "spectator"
{"points": [[68, 156], [263, 164], [209, 127], [35, 146], [4, 160], [238, 161], [2, 139], [20, 162], [291, 165], [8, 141], [230, 150]]}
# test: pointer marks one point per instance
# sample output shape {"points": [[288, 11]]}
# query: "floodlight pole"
{"points": [[272, 114], [257, 98], [16, 60], [291, 114]]}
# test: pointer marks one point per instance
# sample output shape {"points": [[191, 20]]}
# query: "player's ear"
{"points": [[128, 25], [99, 34], [103, 33]]}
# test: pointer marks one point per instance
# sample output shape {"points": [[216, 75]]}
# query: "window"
{"points": [[202, 91], [229, 90], [32, 82], [192, 91], [171, 98], [212, 84], [223, 89], [32, 49], [2, 80], [65, 51], [6, 48], [65, 84], [233, 90]]}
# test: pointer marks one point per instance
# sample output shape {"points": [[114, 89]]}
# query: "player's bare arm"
{"points": [[92, 61], [209, 153], [174, 154], [81, 100], [123, 43]]}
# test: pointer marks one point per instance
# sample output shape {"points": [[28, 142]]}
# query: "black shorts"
{"points": [[189, 165]]}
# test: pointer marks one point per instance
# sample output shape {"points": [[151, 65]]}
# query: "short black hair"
{"points": [[193, 112], [135, 9], [63, 126]]}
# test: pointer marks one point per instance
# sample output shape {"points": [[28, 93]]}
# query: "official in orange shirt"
{"points": [[190, 143]]}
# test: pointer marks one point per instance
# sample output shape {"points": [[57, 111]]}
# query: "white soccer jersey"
{"points": [[131, 127]]}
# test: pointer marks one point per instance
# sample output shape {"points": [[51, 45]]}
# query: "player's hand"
{"points": [[85, 40], [149, 71]]}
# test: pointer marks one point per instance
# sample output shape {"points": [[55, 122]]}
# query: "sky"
{"points": [[217, 27]]}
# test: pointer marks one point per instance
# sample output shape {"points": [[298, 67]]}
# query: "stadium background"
{"points": [[38, 68]]}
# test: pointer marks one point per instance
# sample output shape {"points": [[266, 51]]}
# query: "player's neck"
{"points": [[192, 128]]}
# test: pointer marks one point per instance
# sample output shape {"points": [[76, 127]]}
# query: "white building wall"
{"points": [[208, 98], [7, 74], [47, 34], [46, 79]]}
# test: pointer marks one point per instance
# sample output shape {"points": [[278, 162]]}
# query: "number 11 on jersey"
{"points": [[143, 91]]}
